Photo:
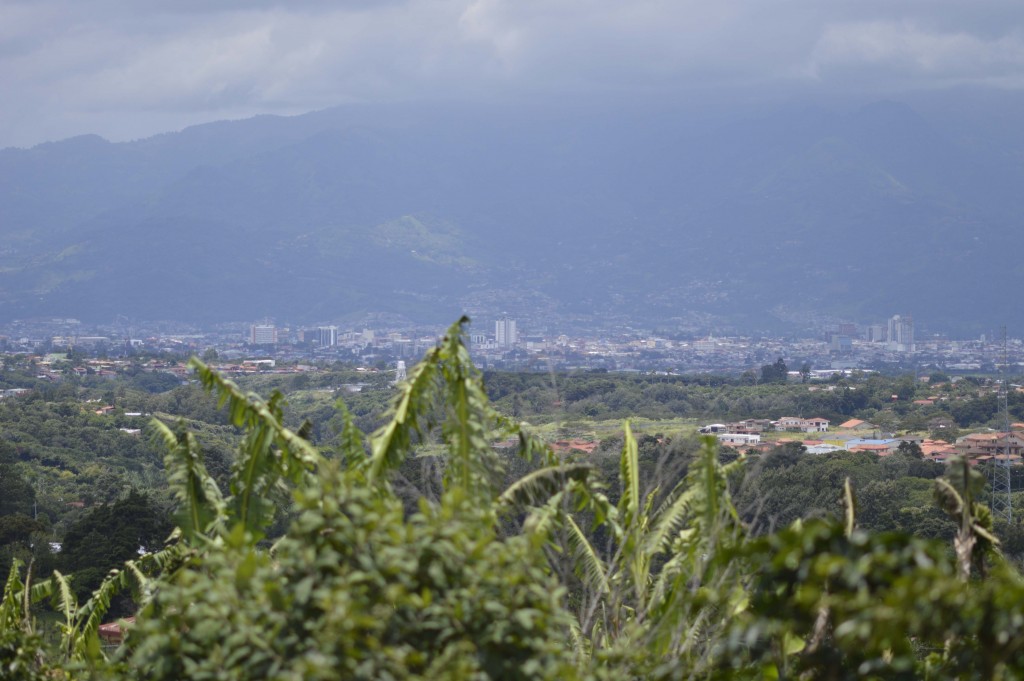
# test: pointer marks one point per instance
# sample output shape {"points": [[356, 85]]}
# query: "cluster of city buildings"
{"points": [[54, 367], [502, 343], [754, 435], [897, 335], [788, 424]]}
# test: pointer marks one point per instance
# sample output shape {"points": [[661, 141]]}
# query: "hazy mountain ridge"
{"points": [[862, 213]]}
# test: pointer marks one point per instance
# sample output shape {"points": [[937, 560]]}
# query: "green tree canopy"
{"points": [[775, 373]]}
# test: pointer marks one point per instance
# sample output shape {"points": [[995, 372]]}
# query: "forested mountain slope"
{"points": [[651, 213]]}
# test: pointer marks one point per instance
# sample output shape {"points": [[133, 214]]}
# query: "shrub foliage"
{"points": [[310, 564]]}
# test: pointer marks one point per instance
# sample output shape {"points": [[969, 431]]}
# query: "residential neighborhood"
{"points": [[977, 448]]}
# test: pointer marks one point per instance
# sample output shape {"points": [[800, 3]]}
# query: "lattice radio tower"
{"points": [[1000, 474]]}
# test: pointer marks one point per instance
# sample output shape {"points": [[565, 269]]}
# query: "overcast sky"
{"points": [[130, 68]]}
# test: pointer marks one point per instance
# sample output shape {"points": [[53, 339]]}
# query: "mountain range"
{"points": [[664, 216]]}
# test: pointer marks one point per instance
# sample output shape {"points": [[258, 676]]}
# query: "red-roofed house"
{"points": [[985, 446], [566, 446], [816, 425], [112, 633]]}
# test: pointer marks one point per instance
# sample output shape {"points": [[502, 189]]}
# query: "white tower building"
{"points": [[505, 334], [901, 334], [328, 336]]}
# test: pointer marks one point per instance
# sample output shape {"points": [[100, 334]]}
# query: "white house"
{"points": [[739, 439], [798, 425]]}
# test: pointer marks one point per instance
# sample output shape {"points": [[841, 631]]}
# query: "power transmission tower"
{"points": [[1000, 475]]}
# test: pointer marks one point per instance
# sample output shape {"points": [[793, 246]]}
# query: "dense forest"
{"points": [[307, 549]]}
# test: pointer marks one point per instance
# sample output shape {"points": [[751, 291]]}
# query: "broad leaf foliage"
{"points": [[543, 578]]}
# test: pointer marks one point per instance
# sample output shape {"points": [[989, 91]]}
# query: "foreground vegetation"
{"points": [[421, 552], [75, 461]]}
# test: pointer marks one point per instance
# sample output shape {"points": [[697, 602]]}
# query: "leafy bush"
{"points": [[542, 579]]}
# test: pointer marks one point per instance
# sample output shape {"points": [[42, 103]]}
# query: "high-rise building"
{"points": [[505, 335], [263, 334], [876, 333], [901, 333], [327, 336]]}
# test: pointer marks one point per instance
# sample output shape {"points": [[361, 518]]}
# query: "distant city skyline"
{"points": [[825, 352]]}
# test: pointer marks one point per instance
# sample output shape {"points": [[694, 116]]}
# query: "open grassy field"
{"points": [[598, 430]]}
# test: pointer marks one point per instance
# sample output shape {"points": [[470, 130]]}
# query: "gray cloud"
{"points": [[130, 68], [906, 52]]}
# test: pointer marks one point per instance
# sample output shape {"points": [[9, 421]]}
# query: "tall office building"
{"points": [[901, 333], [327, 336], [263, 334], [505, 335]]}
